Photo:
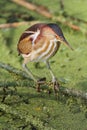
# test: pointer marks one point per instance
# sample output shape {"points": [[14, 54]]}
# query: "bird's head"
{"points": [[59, 35], [64, 41]]}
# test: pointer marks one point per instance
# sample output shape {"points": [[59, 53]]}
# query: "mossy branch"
{"points": [[73, 92], [65, 91], [13, 70]]}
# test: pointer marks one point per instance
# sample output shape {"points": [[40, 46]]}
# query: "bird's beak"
{"points": [[66, 43]]}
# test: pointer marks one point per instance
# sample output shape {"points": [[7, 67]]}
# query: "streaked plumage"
{"points": [[39, 43]]}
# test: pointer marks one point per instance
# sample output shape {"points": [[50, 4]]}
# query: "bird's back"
{"points": [[25, 42]]}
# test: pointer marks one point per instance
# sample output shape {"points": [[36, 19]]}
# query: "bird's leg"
{"points": [[31, 76], [54, 80], [29, 72], [38, 82]]}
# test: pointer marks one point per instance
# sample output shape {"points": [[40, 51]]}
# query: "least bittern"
{"points": [[39, 43]]}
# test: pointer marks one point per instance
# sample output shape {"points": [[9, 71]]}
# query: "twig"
{"points": [[74, 27], [45, 13], [64, 90], [33, 7], [16, 24]]}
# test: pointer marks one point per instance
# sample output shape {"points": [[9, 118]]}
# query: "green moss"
{"points": [[25, 108]]}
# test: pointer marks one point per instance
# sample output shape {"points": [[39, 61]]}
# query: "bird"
{"points": [[39, 43]]}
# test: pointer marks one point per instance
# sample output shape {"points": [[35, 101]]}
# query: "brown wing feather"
{"points": [[25, 43], [25, 46]]}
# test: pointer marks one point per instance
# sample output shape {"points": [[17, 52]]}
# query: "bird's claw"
{"points": [[43, 80], [56, 86], [40, 82]]}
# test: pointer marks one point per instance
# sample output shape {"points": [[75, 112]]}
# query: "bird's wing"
{"points": [[25, 45]]}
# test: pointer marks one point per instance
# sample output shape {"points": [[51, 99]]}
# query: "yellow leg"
{"points": [[29, 72], [54, 80], [51, 72]]}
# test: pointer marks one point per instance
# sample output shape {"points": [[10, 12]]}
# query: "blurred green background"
{"points": [[26, 109]]}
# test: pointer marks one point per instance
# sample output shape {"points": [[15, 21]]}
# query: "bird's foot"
{"points": [[56, 86], [40, 82]]}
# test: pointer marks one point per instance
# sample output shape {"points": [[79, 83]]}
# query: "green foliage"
{"points": [[25, 108]]}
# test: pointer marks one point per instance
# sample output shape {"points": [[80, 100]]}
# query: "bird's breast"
{"points": [[44, 50]]}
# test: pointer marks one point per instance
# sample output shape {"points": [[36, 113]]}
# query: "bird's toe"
{"points": [[40, 82], [56, 86]]}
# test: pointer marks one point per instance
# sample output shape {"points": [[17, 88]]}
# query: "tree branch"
{"points": [[65, 91], [33, 7], [16, 24], [13, 70], [45, 13]]}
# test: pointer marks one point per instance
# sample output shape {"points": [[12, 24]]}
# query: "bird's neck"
{"points": [[34, 36]]}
